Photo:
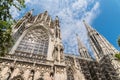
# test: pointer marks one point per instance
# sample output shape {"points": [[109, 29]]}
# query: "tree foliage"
{"points": [[118, 55], [6, 21], [119, 41]]}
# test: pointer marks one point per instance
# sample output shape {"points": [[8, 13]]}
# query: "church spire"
{"points": [[57, 28], [29, 14], [82, 49], [57, 21], [99, 44], [88, 27]]}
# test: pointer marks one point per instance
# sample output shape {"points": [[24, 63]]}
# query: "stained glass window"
{"points": [[35, 41]]}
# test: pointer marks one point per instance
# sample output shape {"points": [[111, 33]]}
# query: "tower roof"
{"points": [[99, 44], [82, 49], [88, 27], [80, 44]]}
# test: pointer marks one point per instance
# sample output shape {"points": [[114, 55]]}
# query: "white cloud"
{"points": [[90, 15], [71, 14], [79, 4], [28, 1], [14, 12]]}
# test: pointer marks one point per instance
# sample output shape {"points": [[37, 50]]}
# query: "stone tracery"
{"points": [[70, 74], [60, 66], [35, 41]]}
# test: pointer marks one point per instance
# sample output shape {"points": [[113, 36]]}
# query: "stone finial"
{"points": [[31, 11], [45, 13], [57, 20], [87, 26], [80, 45]]}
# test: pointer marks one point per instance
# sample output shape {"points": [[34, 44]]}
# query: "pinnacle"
{"points": [[57, 18], [88, 27]]}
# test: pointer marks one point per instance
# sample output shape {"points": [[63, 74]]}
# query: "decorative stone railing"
{"points": [[23, 56]]}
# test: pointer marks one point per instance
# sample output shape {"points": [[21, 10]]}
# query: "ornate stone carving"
{"points": [[38, 54], [19, 77]]}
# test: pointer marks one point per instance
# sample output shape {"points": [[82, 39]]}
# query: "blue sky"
{"points": [[103, 15], [108, 21]]}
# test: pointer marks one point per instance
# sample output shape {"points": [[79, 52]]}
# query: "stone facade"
{"points": [[38, 54]]}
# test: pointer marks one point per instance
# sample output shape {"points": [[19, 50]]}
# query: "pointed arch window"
{"points": [[70, 74], [35, 41]]}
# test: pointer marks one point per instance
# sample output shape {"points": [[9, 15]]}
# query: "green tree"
{"points": [[118, 54], [6, 21], [119, 41]]}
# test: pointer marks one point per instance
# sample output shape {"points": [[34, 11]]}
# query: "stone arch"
{"points": [[48, 31], [19, 77], [70, 74], [35, 40]]}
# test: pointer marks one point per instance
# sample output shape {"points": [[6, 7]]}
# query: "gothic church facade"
{"points": [[38, 54]]}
